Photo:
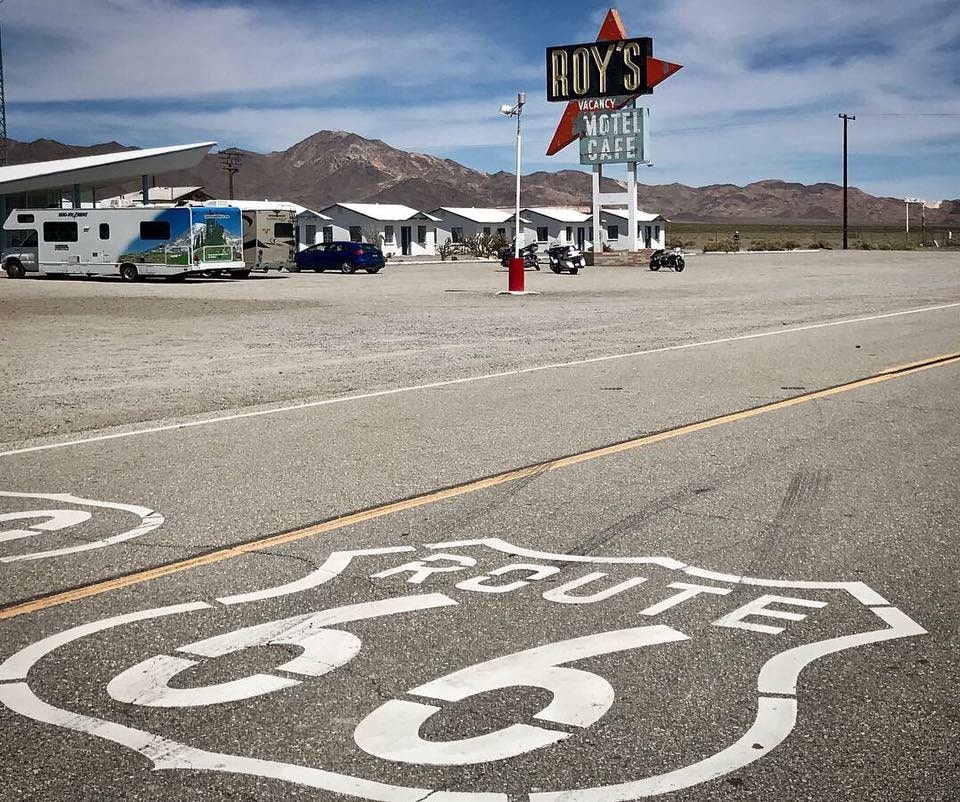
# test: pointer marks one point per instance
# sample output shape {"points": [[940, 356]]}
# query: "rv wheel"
{"points": [[129, 272], [14, 269]]}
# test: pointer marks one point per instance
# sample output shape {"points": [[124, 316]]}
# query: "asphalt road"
{"points": [[396, 537]]}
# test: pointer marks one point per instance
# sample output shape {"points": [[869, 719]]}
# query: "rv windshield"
{"points": [[26, 238]]}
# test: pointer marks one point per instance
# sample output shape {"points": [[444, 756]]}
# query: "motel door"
{"points": [[405, 239], [581, 237]]}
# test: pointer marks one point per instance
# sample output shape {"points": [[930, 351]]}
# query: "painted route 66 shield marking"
{"points": [[435, 590]]}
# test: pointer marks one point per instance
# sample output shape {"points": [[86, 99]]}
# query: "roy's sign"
{"points": [[598, 69], [614, 137]]}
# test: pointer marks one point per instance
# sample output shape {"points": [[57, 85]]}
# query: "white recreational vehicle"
{"points": [[269, 233], [133, 242]]}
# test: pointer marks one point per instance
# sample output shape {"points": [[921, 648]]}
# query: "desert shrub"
{"points": [[724, 245], [821, 245], [676, 242], [863, 245], [446, 249]]}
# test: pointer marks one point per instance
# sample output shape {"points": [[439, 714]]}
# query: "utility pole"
{"points": [[230, 161], [846, 118], [3, 112]]}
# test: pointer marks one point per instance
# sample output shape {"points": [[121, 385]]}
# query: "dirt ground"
{"points": [[84, 354]]}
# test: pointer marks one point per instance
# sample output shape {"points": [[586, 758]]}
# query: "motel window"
{"points": [[155, 229], [388, 234], [310, 234], [569, 233], [456, 234], [613, 232], [59, 231], [328, 233], [542, 234], [104, 231], [356, 234], [486, 231], [283, 230], [421, 235], [656, 232], [25, 218], [502, 232]]}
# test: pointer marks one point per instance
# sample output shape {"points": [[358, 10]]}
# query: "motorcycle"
{"points": [[528, 253], [565, 257], [672, 259]]}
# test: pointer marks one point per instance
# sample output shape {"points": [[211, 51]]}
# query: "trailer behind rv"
{"points": [[131, 243]]}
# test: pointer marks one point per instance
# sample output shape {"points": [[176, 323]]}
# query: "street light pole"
{"points": [[846, 118], [521, 99], [515, 271]]}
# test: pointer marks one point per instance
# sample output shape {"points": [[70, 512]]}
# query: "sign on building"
{"points": [[614, 137]]}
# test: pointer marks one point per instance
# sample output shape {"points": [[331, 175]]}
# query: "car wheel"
{"points": [[346, 267], [129, 272], [680, 264], [15, 269]]}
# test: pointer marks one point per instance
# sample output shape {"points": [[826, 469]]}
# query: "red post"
{"points": [[515, 280]]}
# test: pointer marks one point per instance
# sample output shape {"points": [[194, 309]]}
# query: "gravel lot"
{"points": [[86, 354]]}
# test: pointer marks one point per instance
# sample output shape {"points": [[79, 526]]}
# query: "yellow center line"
{"points": [[473, 486]]}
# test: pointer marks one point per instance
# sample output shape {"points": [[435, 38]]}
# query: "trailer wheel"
{"points": [[346, 267], [14, 269], [129, 272]]}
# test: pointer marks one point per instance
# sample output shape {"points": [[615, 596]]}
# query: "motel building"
{"points": [[555, 225], [559, 225], [398, 230], [651, 230], [458, 223]]}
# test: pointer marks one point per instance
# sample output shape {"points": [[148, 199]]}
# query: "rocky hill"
{"points": [[332, 166]]}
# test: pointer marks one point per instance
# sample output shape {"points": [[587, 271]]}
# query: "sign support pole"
{"points": [[597, 223], [632, 206]]}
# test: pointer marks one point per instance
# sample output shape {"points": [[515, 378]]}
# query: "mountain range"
{"points": [[331, 166]]}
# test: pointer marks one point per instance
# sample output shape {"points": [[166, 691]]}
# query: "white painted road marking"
{"points": [[464, 380], [62, 519], [580, 697]]}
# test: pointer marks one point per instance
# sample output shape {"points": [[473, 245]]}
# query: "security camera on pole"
{"points": [[600, 82], [515, 274]]}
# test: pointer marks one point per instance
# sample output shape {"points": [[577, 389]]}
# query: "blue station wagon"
{"points": [[347, 257]]}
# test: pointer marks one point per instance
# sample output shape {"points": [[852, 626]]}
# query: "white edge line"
{"points": [[463, 380]]}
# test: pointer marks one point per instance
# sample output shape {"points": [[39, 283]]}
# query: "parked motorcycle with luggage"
{"points": [[528, 253], [565, 258], [671, 258]]}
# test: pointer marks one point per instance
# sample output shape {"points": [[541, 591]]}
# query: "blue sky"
{"points": [[762, 84]]}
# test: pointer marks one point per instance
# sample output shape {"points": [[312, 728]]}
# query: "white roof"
{"points": [[481, 215], [564, 214], [384, 211], [154, 195], [642, 217], [254, 205], [104, 169]]}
